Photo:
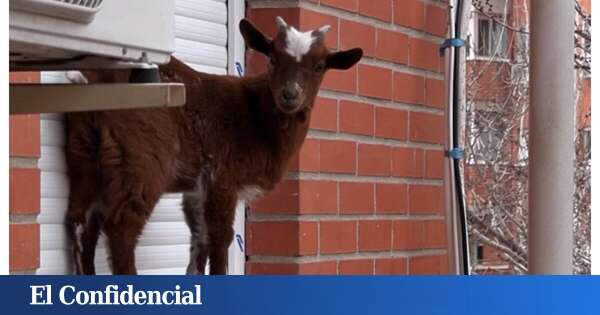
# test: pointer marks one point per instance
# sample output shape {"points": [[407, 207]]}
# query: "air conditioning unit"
{"points": [[70, 31]]}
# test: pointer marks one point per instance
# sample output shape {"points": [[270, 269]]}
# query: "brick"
{"points": [[353, 35], [374, 82], [270, 268], [283, 199], [381, 9], [307, 159], [356, 198], [425, 199], [24, 135], [273, 268], [356, 267], [408, 235], [436, 20], [340, 81], [281, 238], [392, 46], [338, 156], [318, 268], [409, 88], [310, 20], [428, 265], [374, 160], [435, 94], [409, 13], [391, 123], [24, 247], [348, 5], [24, 190], [391, 198], [356, 117], [264, 18], [407, 162], [427, 128], [318, 197], [391, 266], [324, 114], [434, 164], [435, 234], [424, 54], [374, 235], [337, 237]]}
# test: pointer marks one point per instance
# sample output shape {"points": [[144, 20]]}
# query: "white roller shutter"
{"points": [[202, 42]]}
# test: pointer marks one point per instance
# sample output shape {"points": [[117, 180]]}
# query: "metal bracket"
{"points": [[451, 42]]}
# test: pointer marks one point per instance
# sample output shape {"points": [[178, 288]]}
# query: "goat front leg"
{"points": [[193, 208], [219, 214]]}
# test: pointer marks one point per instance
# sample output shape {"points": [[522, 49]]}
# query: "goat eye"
{"points": [[320, 67], [272, 61]]}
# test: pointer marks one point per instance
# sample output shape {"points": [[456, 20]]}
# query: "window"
{"points": [[491, 38], [479, 253]]}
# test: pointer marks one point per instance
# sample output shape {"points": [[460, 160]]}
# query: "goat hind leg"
{"points": [[123, 228], [193, 208], [81, 199], [89, 240]]}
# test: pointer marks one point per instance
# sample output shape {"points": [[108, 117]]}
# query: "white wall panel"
{"points": [[201, 30]]}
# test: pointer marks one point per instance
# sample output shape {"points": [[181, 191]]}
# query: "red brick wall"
{"points": [[24, 189], [365, 194]]}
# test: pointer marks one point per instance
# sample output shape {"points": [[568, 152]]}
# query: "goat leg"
{"points": [[219, 214], [193, 208], [81, 197], [123, 228], [89, 240]]}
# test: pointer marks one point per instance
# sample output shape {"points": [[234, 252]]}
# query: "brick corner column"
{"points": [[365, 193], [24, 186]]}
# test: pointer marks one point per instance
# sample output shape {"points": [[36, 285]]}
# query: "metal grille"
{"points": [[83, 3], [82, 11]]}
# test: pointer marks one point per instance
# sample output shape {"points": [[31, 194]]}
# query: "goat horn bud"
{"points": [[281, 23], [324, 29]]}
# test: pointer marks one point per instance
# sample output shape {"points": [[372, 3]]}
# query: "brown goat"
{"points": [[232, 140]]}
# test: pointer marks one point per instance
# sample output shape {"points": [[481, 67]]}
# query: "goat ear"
{"points": [[343, 60], [254, 38]]}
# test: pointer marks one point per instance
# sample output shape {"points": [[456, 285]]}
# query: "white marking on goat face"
{"points": [[248, 193], [298, 43]]}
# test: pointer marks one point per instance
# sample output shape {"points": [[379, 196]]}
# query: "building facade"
{"points": [[365, 194], [496, 134]]}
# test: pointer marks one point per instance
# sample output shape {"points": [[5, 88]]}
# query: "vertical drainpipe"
{"points": [[452, 221], [552, 136], [458, 257]]}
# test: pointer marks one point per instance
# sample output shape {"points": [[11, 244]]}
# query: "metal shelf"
{"points": [[59, 98]]}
